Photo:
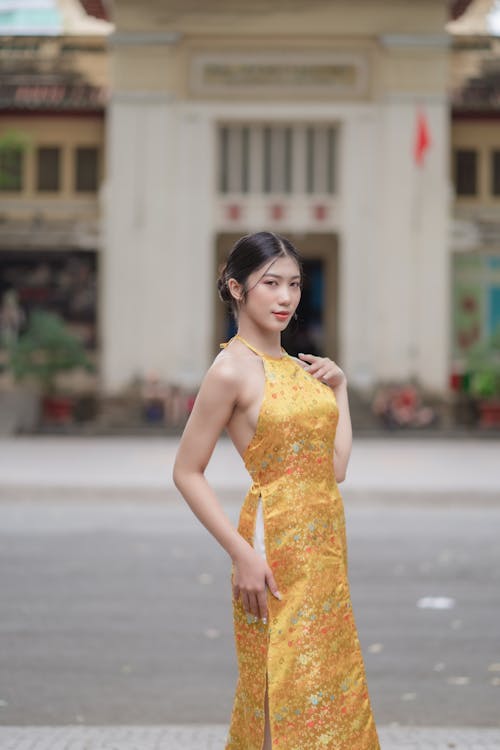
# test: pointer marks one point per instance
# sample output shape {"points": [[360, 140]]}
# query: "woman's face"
{"points": [[273, 293]]}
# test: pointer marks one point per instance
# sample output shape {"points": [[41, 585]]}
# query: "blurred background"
{"points": [[138, 141]]}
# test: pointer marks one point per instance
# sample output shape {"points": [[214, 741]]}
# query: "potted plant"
{"points": [[483, 375], [46, 348]]}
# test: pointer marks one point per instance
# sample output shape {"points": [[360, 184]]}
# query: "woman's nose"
{"points": [[284, 295]]}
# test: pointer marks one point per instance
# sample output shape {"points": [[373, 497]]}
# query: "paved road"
{"points": [[116, 603], [120, 613]]}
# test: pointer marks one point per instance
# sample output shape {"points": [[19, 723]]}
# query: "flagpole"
{"points": [[421, 144]]}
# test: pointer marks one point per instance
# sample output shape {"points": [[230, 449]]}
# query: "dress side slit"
{"points": [[260, 547], [267, 721]]}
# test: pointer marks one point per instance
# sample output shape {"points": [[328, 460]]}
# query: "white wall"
{"points": [[138, 261], [359, 278], [157, 263], [412, 231], [191, 187], [159, 285]]}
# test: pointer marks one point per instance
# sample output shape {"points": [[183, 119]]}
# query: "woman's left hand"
{"points": [[324, 369]]}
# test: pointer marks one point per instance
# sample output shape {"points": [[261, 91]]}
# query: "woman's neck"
{"points": [[268, 342]]}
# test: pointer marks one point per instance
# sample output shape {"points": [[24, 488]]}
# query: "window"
{"points": [[466, 172], [495, 173], [224, 160], [11, 168], [277, 159], [234, 155], [320, 159], [86, 170], [48, 162]]}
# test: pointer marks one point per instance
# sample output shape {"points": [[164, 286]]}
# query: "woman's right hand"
{"points": [[250, 577]]}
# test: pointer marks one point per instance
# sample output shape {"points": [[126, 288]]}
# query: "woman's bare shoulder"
{"points": [[228, 368]]}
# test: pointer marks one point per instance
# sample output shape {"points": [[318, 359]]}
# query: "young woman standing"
{"points": [[301, 681]]}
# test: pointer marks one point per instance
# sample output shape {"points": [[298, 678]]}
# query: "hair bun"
{"points": [[222, 287]]}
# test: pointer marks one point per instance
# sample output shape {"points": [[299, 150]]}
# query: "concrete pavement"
{"points": [[389, 470], [212, 737]]}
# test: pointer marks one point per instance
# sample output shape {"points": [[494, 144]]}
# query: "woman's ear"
{"points": [[235, 289]]}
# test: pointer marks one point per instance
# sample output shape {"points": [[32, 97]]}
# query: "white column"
{"points": [[193, 189], [137, 276], [358, 248], [412, 275], [432, 281]]}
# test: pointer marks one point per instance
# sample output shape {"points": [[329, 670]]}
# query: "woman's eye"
{"points": [[295, 284]]}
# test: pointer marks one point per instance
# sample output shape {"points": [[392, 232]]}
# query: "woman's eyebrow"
{"points": [[277, 276]]}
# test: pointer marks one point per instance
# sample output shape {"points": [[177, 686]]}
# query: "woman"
{"points": [[301, 681]]}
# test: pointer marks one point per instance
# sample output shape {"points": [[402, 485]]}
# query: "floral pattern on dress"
{"points": [[318, 695]]}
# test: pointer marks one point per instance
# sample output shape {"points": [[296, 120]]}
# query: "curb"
{"points": [[366, 497]]}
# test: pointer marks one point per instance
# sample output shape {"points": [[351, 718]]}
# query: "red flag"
{"points": [[422, 139]]}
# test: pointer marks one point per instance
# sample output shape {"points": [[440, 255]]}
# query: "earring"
{"points": [[295, 316]]}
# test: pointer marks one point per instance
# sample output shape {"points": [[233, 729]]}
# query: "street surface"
{"points": [[116, 623], [212, 737], [388, 469]]}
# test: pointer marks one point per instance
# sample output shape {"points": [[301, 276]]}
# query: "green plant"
{"points": [[46, 348], [13, 146], [483, 367]]}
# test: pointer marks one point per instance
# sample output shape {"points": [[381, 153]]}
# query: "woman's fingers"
{"points": [[314, 362], [245, 602], [253, 604], [323, 368], [251, 586], [271, 582], [249, 601], [262, 602]]}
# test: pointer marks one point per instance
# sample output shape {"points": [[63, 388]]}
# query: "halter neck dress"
{"points": [[293, 515]]}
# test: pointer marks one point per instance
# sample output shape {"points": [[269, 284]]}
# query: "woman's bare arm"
{"points": [[343, 435], [212, 409]]}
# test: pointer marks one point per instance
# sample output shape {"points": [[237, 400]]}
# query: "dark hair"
{"points": [[248, 254]]}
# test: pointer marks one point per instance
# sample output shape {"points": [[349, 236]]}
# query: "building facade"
{"points": [[299, 118], [329, 124], [53, 92], [475, 172]]}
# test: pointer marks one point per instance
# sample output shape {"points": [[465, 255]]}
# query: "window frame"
{"points": [[461, 152], [78, 149], [57, 149]]}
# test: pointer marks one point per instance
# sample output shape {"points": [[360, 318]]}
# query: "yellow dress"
{"points": [[318, 696]]}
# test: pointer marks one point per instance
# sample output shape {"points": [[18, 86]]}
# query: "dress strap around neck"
{"points": [[256, 351]]}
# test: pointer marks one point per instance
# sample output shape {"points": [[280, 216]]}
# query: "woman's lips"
{"points": [[281, 315]]}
